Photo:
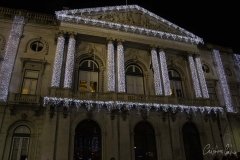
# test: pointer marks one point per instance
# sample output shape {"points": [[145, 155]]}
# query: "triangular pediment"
{"points": [[129, 18]]}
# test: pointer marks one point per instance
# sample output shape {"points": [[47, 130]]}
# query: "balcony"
{"points": [[112, 96], [18, 98]]}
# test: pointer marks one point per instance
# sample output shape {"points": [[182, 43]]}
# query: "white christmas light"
{"points": [[201, 78], [112, 105], [120, 67], [69, 63], [164, 70], [194, 76], [223, 80], [80, 16], [110, 67], [236, 58], [156, 73], [57, 67], [9, 56]]}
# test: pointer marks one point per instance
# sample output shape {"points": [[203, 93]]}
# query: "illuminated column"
{"points": [[236, 58], [70, 62], [110, 67], [156, 75], [57, 67], [194, 77], [164, 71], [120, 67], [223, 80], [201, 78], [10, 55]]}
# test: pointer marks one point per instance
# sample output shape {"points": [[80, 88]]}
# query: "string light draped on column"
{"points": [[223, 80], [57, 67], [201, 78], [110, 67], [120, 67], [165, 77], [194, 77], [237, 61], [70, 62], [9, 56], [156, 75]]}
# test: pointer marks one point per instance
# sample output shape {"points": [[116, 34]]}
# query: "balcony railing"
{"points": [[112, 96], [24, 98]]}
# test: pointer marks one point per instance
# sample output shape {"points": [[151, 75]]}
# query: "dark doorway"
{"points": [[87, 141], [144, 142], [192, 144]]}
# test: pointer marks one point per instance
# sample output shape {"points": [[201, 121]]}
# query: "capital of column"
{"points": [[72, 35]]}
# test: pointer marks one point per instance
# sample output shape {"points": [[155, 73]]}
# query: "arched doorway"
{"points": [[192, 144], [144, 142], [87, 141]]}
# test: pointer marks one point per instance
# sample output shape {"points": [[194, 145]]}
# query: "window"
{"points": [[37, 46], [88, 76], [134, 80], [87, 141], [235, 90], [30, 80], [144, 142], [192, 143], [228, 71], [175, 83], [20, 143]]}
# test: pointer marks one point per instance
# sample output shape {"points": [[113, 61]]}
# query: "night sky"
{"points": [[214, 21]]}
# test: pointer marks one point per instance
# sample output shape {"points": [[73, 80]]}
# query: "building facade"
{"points": [[113, 83]]}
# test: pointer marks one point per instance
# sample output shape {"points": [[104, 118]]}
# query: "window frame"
{"points": [[24, 77]]}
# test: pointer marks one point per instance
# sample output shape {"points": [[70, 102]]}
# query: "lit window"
{"points": [[37, 46], [30, 80], [176, 83], [134, 80], [20, 143], [88, 76]]}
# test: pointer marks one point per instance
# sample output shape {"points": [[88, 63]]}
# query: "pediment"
{"points": [[130, 18]]}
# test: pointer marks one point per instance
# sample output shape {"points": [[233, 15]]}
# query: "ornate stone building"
{"points": [[113, 83]]}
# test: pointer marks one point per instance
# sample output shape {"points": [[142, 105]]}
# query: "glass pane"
{"points": [[15, 148], [22, 129], [33, 86], [130, 84], [26, 86], [24, 149], [83, 86], [93, 86], [139, 85], [88, 81], [31, 74]]}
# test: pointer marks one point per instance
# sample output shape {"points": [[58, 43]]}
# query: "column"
{"points": [[156, 75], [223, 80], [110, 67], [10, 55], [164, 71], [194, 76], [68, 78], [57, 66], [120, 67], [201, 78]]}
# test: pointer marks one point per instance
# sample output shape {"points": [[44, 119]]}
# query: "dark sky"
{"points": [[214, 21]]}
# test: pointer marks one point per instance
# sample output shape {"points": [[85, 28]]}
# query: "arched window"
{"points": [[20, 143], [192, 144], [144, 142], [134, 80], [88, 76], [176, 83], [87, 141]]}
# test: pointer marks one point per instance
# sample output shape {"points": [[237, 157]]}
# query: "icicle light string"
{"points": [[111, 105], [110, 67], [120, 67]]}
